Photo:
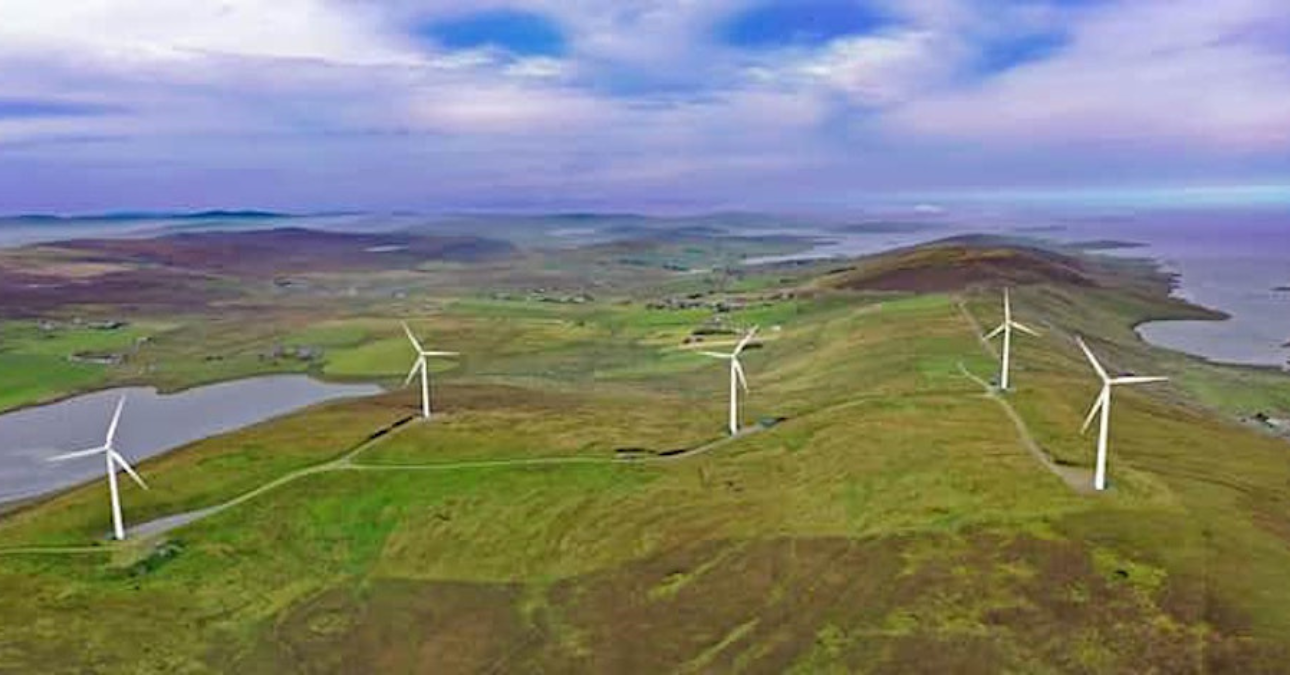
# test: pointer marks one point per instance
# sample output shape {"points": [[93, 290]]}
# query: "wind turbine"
{"points": [[1103, 405], [114, 460], [420, 365], [737, 378], [1006, 329]]}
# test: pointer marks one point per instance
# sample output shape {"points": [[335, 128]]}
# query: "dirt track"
{"points": [[1079, 480]]}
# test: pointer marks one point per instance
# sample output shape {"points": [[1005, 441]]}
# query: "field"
{"points": [[575, 509]]}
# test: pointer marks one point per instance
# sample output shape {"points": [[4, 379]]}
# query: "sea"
{"points": [[1233, 260]]}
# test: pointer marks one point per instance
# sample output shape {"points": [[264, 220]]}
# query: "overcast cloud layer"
{"points": [[643, 105]]}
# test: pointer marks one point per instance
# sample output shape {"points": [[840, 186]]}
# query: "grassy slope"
{"points": [[36, 367], [349, 316], [892, 522]]}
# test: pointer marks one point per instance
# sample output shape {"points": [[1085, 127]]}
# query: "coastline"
{"points": [[1185, 289]]}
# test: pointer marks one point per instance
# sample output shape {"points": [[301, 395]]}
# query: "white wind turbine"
{"points": [[114, 460], [1006, 329], [1103, 405], [737, 378], [420, 365]]}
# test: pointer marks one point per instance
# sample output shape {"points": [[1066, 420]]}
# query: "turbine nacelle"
{"points": [[1005, 329], [737, 376], [113, 458], [115, 462], [1102, 407], [419, 366]]}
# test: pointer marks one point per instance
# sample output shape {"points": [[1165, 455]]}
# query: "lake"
{"points": [[151, 424]]}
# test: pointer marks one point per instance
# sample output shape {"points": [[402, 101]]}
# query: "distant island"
{"points": [[1105, 245], [226, 215], [1282, 289], [217, 214], [888, 227]]}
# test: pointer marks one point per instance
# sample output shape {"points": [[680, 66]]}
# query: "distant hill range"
{"points": [[289, 250], [186, 270]]}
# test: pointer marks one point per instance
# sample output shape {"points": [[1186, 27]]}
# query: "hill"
{"points": [[195, 269], [890, 515], [961, 263]]}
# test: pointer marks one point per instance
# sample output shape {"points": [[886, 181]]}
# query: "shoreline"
{"points": [[1252, 367], [10, 503], [159, 390], [1205, 314]]}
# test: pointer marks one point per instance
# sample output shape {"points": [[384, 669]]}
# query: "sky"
{"points": [[644, 105]]}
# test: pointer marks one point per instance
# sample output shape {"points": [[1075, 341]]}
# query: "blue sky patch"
{"points": [[1019, 50], [791, 23], [521, 33]]}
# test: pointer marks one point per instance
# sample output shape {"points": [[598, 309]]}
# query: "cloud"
{"points": [[880, 69], [142, 30], [32, 108], [425, 103], [1142, 74], [506, 109]]}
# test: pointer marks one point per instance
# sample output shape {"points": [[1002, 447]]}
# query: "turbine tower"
{"points": [[737, 378], [1005, 328], [420, 365], [1103, 405], [114, 460]]}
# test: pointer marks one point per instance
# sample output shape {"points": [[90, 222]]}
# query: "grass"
{"points": [[32, 379], [37, 364], [208, 472], [891, 521]]}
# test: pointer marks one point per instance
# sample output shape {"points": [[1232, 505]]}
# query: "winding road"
{"points": [[156, 528], [1078, 479]]}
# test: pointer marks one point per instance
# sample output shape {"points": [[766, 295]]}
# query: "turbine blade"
{"points": [[1097, 405], [120, 461], [739, 373], [1138, 380], [440, 353], [417, 365], [1025, 329], [746, 339], [1007, 307], [995, 333], [412, 337], [116, 420], [717, 355], [1092, 359], [78, 454]]}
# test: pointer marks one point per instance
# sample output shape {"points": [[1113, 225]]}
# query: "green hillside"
{"points": [[576, 509]]}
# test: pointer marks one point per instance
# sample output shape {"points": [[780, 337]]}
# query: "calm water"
{"points": [[1230, 261], [1233, 266], [150, 425]]}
